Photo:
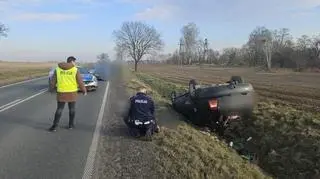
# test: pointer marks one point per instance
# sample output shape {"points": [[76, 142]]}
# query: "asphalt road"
{"points": [[27, 149]]}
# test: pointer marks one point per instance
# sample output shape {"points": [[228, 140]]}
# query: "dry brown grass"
{"points": [[188, 153], [18, 71]]}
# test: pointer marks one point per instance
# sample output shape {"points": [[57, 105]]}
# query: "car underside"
{"points": [[217, 105]]}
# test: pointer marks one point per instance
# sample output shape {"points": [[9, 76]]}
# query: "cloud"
{"points": [[45, 17], [12, 6], [162, 12], [92, 3], [212, 10], [308, 3], [133, 1]]}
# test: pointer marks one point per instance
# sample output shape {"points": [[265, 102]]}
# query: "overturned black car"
{"points": [[216, 105]]}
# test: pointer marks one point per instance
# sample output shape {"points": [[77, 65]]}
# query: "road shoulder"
{"points": [[119, 154]]}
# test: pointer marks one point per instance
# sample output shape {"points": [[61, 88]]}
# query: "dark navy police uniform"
{"points": [[141, 107]]}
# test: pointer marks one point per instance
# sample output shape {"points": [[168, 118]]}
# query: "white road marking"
{"points": [[88, 170], [21, 101], [21, 82], [8, 104]]}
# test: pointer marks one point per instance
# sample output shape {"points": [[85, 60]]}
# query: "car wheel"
{"points": [[237, 79], [192, 87], [173, 95]]}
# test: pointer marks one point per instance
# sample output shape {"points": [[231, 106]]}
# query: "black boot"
{"points": [[72, 113], [71, 122], [71, 125], [53, 128], [157, 129]]}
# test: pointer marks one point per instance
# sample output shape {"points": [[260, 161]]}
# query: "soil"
{"points": [[290, 88]]}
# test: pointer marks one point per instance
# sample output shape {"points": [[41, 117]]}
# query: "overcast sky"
{"points": [[55, 29]]}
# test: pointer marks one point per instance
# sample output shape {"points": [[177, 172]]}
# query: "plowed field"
{"points": [[299, 90]]}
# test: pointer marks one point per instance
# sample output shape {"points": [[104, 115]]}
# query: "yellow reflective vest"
{"points": [[67, 80]]}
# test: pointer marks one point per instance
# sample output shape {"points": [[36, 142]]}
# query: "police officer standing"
{"points": [[66, 79]]}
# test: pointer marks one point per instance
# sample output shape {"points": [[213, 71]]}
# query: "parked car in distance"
{"points": [[96, 74]]}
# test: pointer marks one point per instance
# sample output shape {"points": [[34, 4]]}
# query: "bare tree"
{"points": [[304, 42], [3, 30], [265, 48], [103, 57], [213, 56], [282, 39], [200, 50], [138, 39], [315, 47], [119, 53], [302, 51], [190, 33], [261, 38]]}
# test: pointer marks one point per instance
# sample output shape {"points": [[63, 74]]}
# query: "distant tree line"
{"points": [[265, 48], [3, 30], [103, 58]]}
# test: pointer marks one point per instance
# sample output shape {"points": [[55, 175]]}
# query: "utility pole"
{"points": [[318, 49], [205, 50], [180, 49]]}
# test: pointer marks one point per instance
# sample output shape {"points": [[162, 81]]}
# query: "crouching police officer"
{"points": [[141, 108]]}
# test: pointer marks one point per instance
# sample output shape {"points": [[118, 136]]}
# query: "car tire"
{"points": [[173, 95], [237, 79], [192, 87]]}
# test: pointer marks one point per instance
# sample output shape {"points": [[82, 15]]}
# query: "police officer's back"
{"points": [[142, 106]]}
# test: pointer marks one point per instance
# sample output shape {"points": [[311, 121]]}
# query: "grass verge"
{"points": [[286, 140], [185, 152], [12, 77], [11, 72]]}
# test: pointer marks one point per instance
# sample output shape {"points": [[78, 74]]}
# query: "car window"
{"points": [[83, 70], [92, 71]]}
